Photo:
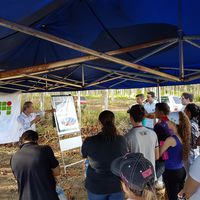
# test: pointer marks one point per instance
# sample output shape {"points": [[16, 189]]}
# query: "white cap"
{"points": [[174, 117]]}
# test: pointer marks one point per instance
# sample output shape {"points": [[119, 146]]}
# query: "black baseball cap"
{"points": [[135, 171]]}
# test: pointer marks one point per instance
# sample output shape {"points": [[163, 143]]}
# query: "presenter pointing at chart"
{"points": [[28, 118]]}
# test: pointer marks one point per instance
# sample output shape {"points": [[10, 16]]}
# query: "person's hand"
{"points": [[182, 195], [37, 119], [53, 110]]}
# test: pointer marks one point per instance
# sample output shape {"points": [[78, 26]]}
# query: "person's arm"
{"points": [[84, 148], [25, 122], [193, 181], [56, 171], [53, 162], [157, 153], [50, 111], [190, 188], [169, 142], [36, 120], [157, 150], [149, 115], [128, 142]]}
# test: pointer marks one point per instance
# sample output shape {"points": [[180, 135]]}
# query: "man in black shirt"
{"points": [[34, 166]]}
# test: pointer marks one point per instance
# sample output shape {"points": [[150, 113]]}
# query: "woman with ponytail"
{"points": [[193, 113], [101, 150], [177, 147]]}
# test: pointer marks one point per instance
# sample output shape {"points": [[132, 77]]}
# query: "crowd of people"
{"points": [[160, 150]]}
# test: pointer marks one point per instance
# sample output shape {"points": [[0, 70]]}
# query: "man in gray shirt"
{"points": [[141, 139]]}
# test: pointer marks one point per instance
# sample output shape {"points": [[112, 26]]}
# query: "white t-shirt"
{"points": [[195, 174], [143, 140], [150, 108], [25, 121]]}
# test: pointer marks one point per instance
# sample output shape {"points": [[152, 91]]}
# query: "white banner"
{"points": [[9, 111], [65, 115]]}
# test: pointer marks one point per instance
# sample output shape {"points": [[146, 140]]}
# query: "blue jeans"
{"points": [[112, 196]]}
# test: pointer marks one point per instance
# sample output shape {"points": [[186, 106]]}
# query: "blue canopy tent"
{"points": [[59, 45]]}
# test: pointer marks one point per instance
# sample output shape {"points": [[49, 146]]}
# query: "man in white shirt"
{"points": [[191, 188], [28, 118], [150, 110]]}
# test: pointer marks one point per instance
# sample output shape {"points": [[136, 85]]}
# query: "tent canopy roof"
{"points": [[96, 43]]}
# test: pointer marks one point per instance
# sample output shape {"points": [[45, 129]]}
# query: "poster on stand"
{"points": [[65, 115], [9, 112]]}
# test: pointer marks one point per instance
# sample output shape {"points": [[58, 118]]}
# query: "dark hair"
{"points": [[137, 112], [152, 94], [107, 119], [29, 135], [194, 111], [188, 96], [140, 95], [163, 107], [26, 105]]}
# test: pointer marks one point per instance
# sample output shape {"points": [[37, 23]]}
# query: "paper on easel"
{"points": [[65, 115]]}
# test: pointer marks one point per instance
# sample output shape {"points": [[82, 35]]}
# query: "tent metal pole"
{"points": [[192, 43], [172, 68], [158, 92], [153, 52], [181, 60], [2, 83], [79, 107], [192, 37], [51, 80], [134, 78], [83, 75], [104, 81], [112, 71], [3, 87], [74, 46], [180, 36], [193, 77], [117, 83]]}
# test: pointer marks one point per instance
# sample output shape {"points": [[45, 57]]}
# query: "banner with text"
{"points": [[65, 115], [9, 111]]}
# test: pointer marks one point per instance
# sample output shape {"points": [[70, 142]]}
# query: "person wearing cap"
{"points": [[150, 110], [101, 150], [28, 118], [141, 139], [137, 176], [35, 166], [177, 147]]}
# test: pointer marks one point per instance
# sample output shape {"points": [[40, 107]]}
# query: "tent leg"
{"points": [[79, 107], [158, 93]]}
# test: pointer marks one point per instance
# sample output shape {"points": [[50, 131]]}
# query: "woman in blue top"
{"points": [[177, 147], [101, 150]]}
